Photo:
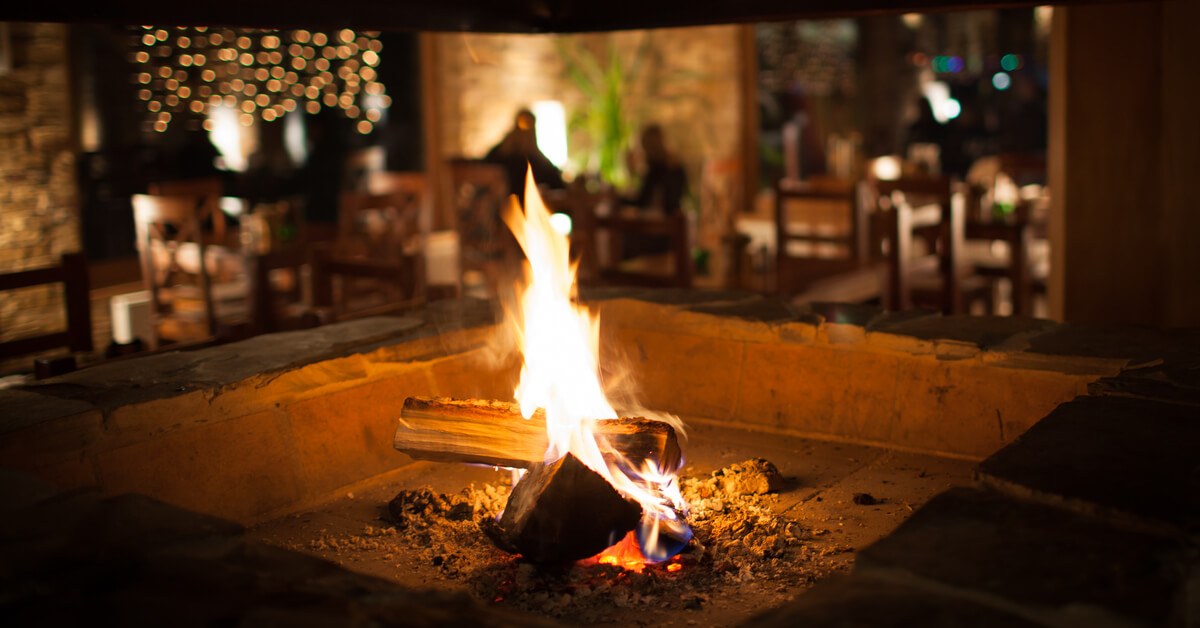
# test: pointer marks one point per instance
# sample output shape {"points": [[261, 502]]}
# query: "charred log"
{"points": [[563, 511]]}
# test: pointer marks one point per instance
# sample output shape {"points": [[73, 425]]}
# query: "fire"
{"points": [[561, 373], [625, 554]]}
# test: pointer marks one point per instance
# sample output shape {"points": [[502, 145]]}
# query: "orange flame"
{"points": [[560, 342], [625, 554]]}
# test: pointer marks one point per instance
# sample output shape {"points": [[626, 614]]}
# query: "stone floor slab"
{"points": [[856, 601], [1039, 561], [78, 559], [1177, 382], [1134, 456]]}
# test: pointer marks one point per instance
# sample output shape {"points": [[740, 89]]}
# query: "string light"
{"points": [[258, 72]]}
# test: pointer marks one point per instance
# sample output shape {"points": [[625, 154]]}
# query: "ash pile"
{"points": [[739, 539]]}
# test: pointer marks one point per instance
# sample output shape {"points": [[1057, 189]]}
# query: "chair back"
{"points": [[932, 210], [200, 188], [72, 274], [404, 277], [360, 166], [821, 230], [480, 193], [164, 224], [381, 225], [1024, 168], [593, 232]]}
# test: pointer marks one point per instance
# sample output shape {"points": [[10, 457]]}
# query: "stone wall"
{"points": [[688, 83], [39, 212]]}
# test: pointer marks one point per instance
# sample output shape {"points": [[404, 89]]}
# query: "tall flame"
{"points": [[561, 374]]}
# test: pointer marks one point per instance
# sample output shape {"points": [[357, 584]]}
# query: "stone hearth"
{"points": [[1084, 508]]}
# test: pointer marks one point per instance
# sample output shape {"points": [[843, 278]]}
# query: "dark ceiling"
{"points": [[514, 16]]}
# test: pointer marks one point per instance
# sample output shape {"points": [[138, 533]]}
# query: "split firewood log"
{"points": [[495, 433]]}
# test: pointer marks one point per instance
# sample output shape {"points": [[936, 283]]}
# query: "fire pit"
{"points": [[596, 526], [875, 422], [752, 550]]}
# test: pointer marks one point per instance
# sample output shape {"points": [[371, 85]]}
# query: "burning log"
{"points": [[495, 433], [563, 511]]}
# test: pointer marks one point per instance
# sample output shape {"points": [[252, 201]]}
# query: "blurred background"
{"points": [[175, 186]]}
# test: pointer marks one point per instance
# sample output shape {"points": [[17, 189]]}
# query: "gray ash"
{"points": [[739, 540]]}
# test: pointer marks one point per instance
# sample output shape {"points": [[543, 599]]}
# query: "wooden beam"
{"points": [[522, 16]]}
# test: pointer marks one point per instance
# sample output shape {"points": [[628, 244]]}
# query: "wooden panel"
{"points": [[1180, 227], [1123, 163]]}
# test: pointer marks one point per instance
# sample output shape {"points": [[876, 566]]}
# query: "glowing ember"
{"points": [[625, 554], [560, 341]]}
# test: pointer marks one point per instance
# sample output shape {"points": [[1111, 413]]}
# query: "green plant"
{"points": [[623, 93], [606, 116]]}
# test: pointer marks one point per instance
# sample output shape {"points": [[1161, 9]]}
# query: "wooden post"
{"points": [[748, 108]]}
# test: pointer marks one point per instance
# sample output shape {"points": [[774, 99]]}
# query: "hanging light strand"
{"points": [[262, 74]]}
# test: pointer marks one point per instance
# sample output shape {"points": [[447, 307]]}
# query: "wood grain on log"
{"points": [[495, 433]]}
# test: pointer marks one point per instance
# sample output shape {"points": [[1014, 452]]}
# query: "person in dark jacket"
{"points": [[664, 181], [518, 148], [663, 186]]}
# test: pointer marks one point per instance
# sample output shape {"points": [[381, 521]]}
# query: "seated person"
{"points": [[664, 183], [518, 148]]}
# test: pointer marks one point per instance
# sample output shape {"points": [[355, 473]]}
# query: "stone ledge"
{"points": [[124, 382], [217, 379], [722, 356], [1133, 457], [1177, 382], [1004, 342], [772, 367], [1035, 561], [243, 443]]}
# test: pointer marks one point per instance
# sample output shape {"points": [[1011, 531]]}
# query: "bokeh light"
{"points": [[256, 72], [950, 108]]}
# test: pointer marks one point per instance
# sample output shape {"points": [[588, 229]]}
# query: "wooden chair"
{"points": [[926, 211], [1022, 233], [379, 226], [361, 165], [388, 181], [73, 275], [599, 240], [487, 250], [406, 275], [576, 198], [167, 226], [821, 231], [378, 231], [1017, 264], [200, 188], [1024, 168]]}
